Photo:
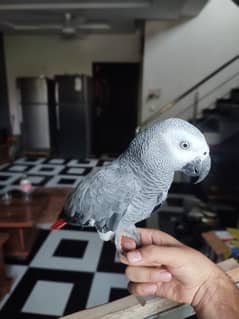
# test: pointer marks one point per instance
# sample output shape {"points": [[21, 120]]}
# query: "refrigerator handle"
{"points": [[58, 124]]}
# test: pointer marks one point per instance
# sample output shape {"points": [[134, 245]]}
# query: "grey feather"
{"points": [[104, 197], [126, 191]]}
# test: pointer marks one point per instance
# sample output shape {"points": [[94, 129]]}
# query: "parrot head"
{"points": [[187, 147]]}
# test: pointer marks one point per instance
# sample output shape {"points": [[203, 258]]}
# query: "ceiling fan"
{"points": [[72, 26]]}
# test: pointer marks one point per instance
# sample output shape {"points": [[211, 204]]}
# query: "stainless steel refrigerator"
{"points": [[73, 115], [34, 101], [56, 114]]}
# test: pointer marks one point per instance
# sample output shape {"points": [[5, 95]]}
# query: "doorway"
{"points": [[115, 106]]}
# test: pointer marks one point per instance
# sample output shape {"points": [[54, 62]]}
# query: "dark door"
{"points": [[115, 106]]}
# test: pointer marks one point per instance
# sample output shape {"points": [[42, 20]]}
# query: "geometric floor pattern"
{"points": [[69, 269], [55, 282]]}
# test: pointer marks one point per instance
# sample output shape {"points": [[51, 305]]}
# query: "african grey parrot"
{"points": [[126, 191]]}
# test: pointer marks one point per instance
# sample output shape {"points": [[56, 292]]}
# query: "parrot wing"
{"points": [[103, 197]]}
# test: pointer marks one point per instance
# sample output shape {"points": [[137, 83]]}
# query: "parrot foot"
{"points": [[109, 235], [131, 233]]}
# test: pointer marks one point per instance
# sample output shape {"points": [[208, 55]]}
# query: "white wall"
{"points": [[48, 55], [178, 55]]}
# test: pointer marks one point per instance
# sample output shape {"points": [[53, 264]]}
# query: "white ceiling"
{"points": [[49, 17]]}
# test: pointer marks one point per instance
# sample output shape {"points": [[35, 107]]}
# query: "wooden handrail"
{"points": [[171, 104], [129, 308]]}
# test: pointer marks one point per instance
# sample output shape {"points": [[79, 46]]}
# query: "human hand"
{"points": [[165, 267]]}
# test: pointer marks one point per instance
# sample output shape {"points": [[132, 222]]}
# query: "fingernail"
{"points": [[150, 289], [163, 276], [134, 256], [128, 244]]}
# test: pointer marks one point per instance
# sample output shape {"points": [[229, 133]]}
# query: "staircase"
{"points": [[223, 120], [221, 129]]}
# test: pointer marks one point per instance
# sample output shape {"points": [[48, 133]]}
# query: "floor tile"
{"points": [[104, 162], [82, 171], [71, 248], [64, 180], [86, 163], [80, 283], [30, 160], [42, 235], [9, 188], [2, 166], [79, 228], [38, 180], [48, 297], [8, 178], [45, 257], [60, 161], [108, 281], [117, 293], [46, 169], [76, 170], [18, 168], [15, 272], [107, 163], [108, 260]]}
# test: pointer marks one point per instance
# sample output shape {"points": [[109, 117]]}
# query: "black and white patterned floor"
{"points": [[68, 269]]}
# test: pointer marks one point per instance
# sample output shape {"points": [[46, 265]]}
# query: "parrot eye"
{"points": [[185, 145]]}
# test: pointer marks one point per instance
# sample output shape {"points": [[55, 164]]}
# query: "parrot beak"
{"points": [[198, 168]]}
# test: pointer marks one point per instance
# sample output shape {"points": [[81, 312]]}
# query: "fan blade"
{"points": [[38, 27], [31, 27], [94, 26]]}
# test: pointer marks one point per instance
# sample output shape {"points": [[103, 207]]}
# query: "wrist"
{"points": [[217, 297]]}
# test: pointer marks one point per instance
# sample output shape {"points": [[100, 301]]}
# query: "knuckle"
{"points": [[135, 274], [151, 250], [128, 272], [139, 290], [135, 289], [150, 253], [151, 276]]}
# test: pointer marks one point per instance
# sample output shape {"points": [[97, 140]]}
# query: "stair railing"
{"points": [[172, 104]]}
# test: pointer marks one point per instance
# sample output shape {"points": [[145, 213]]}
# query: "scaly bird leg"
{"points": [[130, 232]]}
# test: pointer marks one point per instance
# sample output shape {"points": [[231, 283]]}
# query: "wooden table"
{"points": [[56, 199], [20, 218], [5, 282]]}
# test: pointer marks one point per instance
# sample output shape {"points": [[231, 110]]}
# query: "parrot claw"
{"points": [[131, 233]]}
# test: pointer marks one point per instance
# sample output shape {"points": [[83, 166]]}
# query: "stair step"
{"points": [[207, 112], [227, 107], [227, 102], [229, 112], [235, 94]]}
